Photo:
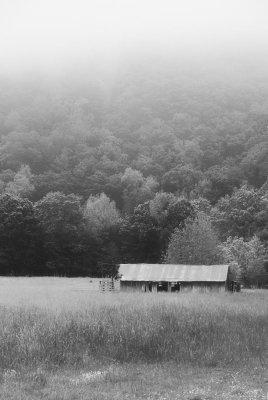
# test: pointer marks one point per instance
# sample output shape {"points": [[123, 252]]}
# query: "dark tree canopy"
{"points": [[20, 245]]}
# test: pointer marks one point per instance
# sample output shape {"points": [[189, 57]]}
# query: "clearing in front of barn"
{"points": [[59, 340]]}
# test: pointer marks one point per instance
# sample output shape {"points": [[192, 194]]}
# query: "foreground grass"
{"points": [[137, 381], [54, 341]]}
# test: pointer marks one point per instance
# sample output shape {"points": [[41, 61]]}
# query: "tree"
{"points": [[250, 256], [182, 179], [243, 214], [69, 247], [20, 245], [20, 148], [159, 206], [137, 189], [145, 234], [21, 184], [102, 220], [255, 163], [178, 212], [6, 176], [101, 213], [201, 205], [169, 212], [196, 243], [140, 239], [262, 216], [220, 181]]}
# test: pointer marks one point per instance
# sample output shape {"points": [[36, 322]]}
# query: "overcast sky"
{"points": [[46, 33]]}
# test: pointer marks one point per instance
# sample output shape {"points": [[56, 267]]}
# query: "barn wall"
{"points": [[132, 286], [201, 287]]}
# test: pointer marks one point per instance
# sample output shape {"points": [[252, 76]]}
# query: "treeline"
{"points": [[61, 235], [115, 167]]}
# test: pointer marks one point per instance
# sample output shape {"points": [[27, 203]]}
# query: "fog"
{"points": [[50, 35]]}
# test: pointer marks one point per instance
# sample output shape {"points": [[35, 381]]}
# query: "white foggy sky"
{"points": [[47, 32]]}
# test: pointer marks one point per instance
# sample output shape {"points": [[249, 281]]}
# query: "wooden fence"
{"points": [[109, 285]]}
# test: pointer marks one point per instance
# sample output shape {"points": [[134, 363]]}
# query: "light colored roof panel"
{"points": [[173, 272]]}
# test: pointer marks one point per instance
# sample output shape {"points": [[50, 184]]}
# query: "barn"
{"points": [[173, 277]]}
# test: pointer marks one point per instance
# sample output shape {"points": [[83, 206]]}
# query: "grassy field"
{"points": [[62, 339]]}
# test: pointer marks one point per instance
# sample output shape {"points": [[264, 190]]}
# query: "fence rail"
{"points": [[109, 285]]}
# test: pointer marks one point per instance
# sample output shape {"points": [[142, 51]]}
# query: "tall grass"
{"points": [[187, 328]]}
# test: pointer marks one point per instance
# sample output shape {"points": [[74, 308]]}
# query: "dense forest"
{"points": [[149, 161]]}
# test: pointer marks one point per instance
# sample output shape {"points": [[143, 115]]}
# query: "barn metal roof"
{"points": [[173, 272]]}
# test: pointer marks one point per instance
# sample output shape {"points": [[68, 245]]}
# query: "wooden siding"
{"points": [[201, 287]]}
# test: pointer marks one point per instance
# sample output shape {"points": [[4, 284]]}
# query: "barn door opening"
{"points": [[162, 286], [151, 287], [148, 286], [175, 287]]}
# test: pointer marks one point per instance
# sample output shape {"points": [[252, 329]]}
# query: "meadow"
{"points": [[62, 339]]}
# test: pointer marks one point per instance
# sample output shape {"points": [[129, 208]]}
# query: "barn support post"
{"points": [[154, 287]]}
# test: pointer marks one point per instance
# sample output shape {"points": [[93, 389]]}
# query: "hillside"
{"points": [[196, 132]]}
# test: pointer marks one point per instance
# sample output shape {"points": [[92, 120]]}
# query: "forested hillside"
{"points": [[115, 164]]}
